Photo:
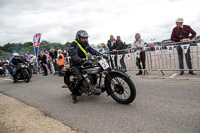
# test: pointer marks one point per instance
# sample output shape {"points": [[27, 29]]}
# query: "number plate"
{"points": [[104, 64]]}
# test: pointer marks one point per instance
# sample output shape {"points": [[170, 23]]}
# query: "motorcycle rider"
{"points": [[78, 52], [14, 62]]}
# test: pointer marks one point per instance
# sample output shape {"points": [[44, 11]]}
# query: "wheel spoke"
{"points": [[116, 80]]}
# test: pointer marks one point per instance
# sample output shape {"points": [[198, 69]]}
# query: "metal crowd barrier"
{"points": [[163, 57]]}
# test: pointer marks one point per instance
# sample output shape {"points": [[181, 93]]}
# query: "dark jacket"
{"points": [[52, 55], [118, 45], [77, 54], [42, 59], [109, 45], [185, 31], [15, 62]]}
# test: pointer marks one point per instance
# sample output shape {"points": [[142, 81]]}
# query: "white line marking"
{"points": [[7, 79], [171, 77]]}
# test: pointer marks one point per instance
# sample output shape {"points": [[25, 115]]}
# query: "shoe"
{"points": [[97, 91], [76, 93], [45, 75], [192, 73], [50, 72], [181, 73], [74, 98], [64, 86], [139, 73]]}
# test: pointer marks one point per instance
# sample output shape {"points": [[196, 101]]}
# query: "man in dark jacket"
{"points": [[181, 34], [53, 55], [110, 44], [43, 62], [118, 45], [78, 52]]}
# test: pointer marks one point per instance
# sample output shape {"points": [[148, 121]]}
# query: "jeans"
{"points": [[122, 62], [14, 71], [55, 65]]}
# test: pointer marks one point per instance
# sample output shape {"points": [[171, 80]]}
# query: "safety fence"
{"points": [[162, 57]]}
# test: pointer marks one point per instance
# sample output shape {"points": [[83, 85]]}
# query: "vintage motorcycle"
{"points": [[117, 83], [23, 72]]}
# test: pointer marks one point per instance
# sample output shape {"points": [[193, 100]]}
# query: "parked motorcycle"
{"points": [[99, 74]]}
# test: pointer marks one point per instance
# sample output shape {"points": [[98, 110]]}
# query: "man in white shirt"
{"points": [[138, 45]]}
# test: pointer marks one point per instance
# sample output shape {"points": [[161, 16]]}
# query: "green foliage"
{"points": [[8, 49]]}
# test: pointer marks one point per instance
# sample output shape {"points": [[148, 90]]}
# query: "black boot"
{"points": [[139, 73], [74, 98]]}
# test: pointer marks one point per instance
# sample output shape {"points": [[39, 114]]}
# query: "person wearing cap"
{"points": [[60, 62], [181, 33]]}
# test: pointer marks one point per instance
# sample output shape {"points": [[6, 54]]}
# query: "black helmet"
{"points": [[82, 34]]}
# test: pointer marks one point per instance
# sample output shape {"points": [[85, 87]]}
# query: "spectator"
{"points": [[118, 45], [104, 49], [138, 44], [33, 63], [27, 58], [65, 53], [60, 62], [43, 62], [110, 43], [181, 33], [53, 55], [49, 60]]}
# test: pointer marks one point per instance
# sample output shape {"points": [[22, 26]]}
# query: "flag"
{"points": [[170, 48], [36, 44], [129, 56], [185, 47], [137, 53], [120, 56], [112, 56], [198, 44], [157, 48]]}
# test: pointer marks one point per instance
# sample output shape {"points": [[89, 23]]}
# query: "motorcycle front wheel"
{"points": [[26, 76], [121, 88]]}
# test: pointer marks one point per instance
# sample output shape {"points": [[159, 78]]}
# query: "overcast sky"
{"points": [[59, 20]]}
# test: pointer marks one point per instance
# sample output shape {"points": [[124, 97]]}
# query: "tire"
{"points": [[30, 73], [116, 90], [68, 80], [26, 76]]}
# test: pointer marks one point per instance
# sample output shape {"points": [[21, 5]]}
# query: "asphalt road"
{"points": [[161, 105]]}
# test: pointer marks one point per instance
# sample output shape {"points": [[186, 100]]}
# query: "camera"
{"points": [[181, 37]]}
